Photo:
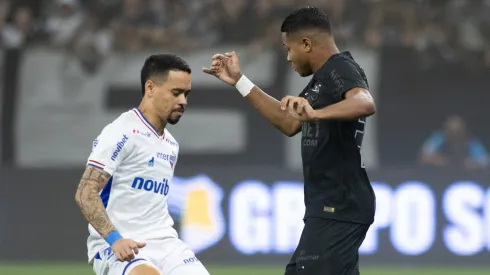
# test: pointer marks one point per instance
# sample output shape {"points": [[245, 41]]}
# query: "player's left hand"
{"points": [[299, 108]]}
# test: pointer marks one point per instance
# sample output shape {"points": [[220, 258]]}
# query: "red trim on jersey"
{"points": [[96, 162]]}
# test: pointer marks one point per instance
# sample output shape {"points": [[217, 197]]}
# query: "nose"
{"points": [[182, 100]]}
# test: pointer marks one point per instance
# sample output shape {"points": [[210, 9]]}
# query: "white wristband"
{"points": [[244, 85]]}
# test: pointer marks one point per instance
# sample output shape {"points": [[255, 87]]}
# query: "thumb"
{"points": [[141, 245], [207, 70]]}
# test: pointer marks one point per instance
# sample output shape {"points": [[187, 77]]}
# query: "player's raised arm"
{"points": [[226, 68]]}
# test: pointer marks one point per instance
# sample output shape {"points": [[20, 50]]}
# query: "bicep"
{"points": [[359, 93], [94, 176]]}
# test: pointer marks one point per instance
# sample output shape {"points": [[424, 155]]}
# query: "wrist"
{"points": [[236, 79], [113, 237], [244, 85]]}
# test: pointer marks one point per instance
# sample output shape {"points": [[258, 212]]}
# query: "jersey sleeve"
{"points": [[111, 147], [342, 76]]}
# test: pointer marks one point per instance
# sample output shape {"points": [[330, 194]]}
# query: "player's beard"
{"points": [[173, 119]]}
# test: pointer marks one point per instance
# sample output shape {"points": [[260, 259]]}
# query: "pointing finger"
{"points": [[207, 70]]}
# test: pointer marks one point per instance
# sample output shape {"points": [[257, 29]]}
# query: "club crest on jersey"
{"points": [[172, 159], [314, 93]]}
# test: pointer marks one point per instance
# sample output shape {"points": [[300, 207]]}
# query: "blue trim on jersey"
{"points": [[96, 166], [146, 120], [104, 195], [130, 263]]}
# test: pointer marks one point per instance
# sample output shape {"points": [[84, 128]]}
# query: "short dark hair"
{"points": [[160, 65], [306, 18]]}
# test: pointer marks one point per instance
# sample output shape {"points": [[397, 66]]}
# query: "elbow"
{"points": [[369, 108], [291, 130], [290, 133]]}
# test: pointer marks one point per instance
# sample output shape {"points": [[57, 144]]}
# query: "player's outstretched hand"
{"points": [[225, 67], [126, 249], [299, 108]]}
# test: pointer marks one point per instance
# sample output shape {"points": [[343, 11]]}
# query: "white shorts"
{"points": [[169, 256]]}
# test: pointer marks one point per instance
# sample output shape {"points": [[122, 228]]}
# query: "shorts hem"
{"points": [[129, 266]]}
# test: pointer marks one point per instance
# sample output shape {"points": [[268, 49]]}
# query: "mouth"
{"points": [[180, 112]]}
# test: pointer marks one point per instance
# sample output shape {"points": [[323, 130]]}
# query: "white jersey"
{"points": [[141, 163]]}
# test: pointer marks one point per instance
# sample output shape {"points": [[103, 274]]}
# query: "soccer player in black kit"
{"points": [[331, 113]]}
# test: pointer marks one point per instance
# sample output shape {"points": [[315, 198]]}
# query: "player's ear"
{"points": [[307, 43], [149, 86]]}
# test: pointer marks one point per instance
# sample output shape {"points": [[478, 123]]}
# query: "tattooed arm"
{"points": [[89, 201], [109, 149]]}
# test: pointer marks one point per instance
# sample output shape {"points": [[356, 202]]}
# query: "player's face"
{"points": [[171, 97], [298, 50]]}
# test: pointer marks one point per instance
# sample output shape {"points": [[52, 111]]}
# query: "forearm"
{"points": [[349, 109], [270, 108], [90, 203]]}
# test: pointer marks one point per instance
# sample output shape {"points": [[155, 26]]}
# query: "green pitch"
{"points": [[77, 269]]}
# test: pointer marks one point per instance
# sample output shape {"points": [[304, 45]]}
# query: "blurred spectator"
{"points": [[126, 25], [93, 42], [64, 23], [440, 31], [391, 22], [16, 32], [454, 146]]}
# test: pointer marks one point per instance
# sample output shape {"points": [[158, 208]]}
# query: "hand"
{"points": [[126, 249], [225, 67], [299, 108]]}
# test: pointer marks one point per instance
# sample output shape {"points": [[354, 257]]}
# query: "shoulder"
{"points": [[341, 74], [119, 128], [340, 67]]}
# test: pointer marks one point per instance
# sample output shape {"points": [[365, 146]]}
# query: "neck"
{"points": [[151, 115], [325, 53]]}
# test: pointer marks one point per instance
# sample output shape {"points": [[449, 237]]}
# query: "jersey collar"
{"points": [[145, 121]]}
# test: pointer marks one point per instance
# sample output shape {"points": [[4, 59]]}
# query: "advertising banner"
{"points": [[254, 216]]}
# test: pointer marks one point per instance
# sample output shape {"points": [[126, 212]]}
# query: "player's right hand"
{"points": [[126, 249], [225, 67]]}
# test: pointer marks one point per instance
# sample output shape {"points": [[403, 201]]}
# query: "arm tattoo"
{"points": [[90, 203]]}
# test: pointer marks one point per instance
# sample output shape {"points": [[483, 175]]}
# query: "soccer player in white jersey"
{"points": [[124, 189]]}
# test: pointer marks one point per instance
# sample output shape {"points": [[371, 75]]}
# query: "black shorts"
{"points": [[328, 247]]}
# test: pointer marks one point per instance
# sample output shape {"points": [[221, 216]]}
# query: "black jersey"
{"points": [[336, 184]]}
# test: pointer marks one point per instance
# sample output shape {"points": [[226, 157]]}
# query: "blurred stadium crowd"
{"points": [[449, 30]]}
